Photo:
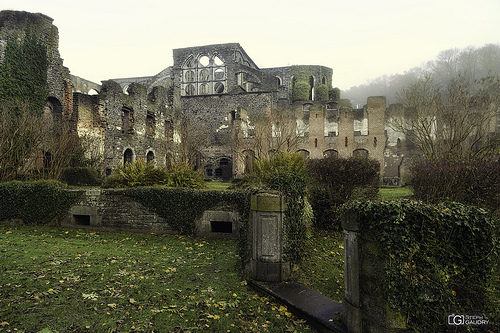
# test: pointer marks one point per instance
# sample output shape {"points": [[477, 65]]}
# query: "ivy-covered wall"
{"points": [[153, 209], [409, 265]]}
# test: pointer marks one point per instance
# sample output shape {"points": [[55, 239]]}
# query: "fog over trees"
{"points": [[470, 63]]}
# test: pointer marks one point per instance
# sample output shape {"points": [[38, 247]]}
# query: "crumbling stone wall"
{"points": [[209, 85], [16, 24], [112, 209], [145, 133]]}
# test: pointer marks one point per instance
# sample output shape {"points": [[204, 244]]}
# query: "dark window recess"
{"points": [[82, 219], [218, 172], [221, 226]]}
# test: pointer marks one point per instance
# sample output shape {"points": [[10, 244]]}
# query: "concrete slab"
{"points": [[319, 310]]}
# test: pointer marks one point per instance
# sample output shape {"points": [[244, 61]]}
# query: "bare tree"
{"points": [[267, 132], [22, 132], [185, 143], [453, 121], [64, 147]]}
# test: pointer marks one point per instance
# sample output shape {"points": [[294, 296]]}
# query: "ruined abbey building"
{"points": [[221, 91]]}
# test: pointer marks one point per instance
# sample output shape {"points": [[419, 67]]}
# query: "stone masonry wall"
{"points": [[111, 209], [138, 138]]}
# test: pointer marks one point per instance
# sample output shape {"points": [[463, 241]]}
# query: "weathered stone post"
{"points": [[365, 308], [266, 229]]}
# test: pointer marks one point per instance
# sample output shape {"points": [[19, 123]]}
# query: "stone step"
{"points": [[320, 311]]}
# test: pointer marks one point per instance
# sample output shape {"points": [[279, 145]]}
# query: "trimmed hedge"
{"points": [[36, 203], [439, 259]]}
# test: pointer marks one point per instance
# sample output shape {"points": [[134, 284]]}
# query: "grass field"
{"points": [[73, 280], [392, 193]]}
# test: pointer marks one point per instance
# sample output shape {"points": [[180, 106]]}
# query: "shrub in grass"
{"points": [[141, 173], [81, 176], [476, 182], [335, 181], [182, 175]]}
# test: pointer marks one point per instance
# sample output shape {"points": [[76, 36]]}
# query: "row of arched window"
{"points": [[128, 156]]}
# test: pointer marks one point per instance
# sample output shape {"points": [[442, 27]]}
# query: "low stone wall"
{"points": [[111, 209]]}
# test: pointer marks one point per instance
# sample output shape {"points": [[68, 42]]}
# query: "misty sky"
{"points": [[359, 39]]}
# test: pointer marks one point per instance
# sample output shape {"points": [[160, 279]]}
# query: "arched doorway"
{"points": [[128, 156]]}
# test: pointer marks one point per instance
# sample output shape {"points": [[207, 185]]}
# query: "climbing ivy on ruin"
{"points": [[23, 74], [302, 86]]}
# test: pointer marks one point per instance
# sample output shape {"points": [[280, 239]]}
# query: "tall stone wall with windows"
{"points": [[133, 118], [135, 124]]}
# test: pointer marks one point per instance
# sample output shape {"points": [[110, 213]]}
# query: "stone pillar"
{"points": [[365, 308], [266, 228]]}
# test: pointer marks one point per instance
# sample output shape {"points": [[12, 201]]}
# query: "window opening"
{"points": [[150, 125], [169, 130], [150, 157], [225, 227], [128, 156], [204, 61], [127, 121], [81, 219]]}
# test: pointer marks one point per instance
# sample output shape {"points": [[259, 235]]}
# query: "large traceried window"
{"points": [[204, 75]]}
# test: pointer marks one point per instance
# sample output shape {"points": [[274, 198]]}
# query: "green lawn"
{"points": [[217, 186], [392, 193], [323, 268], [72, 280]]}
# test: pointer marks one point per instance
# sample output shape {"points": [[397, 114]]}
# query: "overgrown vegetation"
{"points": [[440, 258], [335, 181], [300, 91], [69, 280], [286, 172], [475, 182], [23, 73], [181, 207], [34, 144], [36, 203], [22, 134], [141, 173], [81, 176]]}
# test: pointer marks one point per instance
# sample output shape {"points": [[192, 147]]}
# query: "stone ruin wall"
{"points": [[15, 24], [138, 138], [331, 127]]}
